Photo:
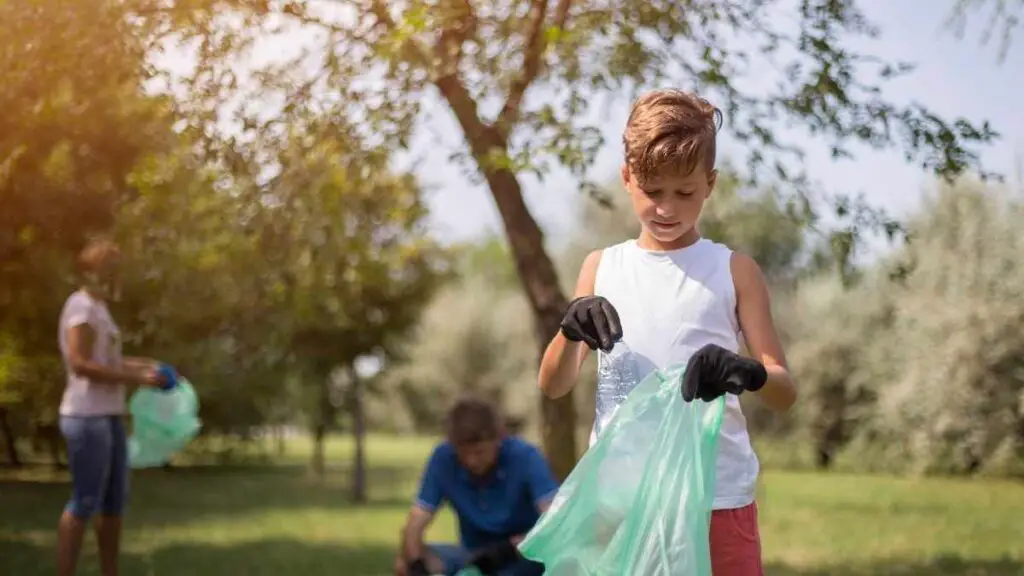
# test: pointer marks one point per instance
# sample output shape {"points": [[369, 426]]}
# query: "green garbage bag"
{"points": [[639, 501], [163, 422]]}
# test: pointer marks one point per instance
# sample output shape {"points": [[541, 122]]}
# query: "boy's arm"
{"points": [[753, 309], [562, 359]]}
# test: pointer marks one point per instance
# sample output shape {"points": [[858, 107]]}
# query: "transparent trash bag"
{"points": [[639, 501], [163, 422]]}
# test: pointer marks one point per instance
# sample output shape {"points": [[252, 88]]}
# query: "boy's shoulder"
{"points": [[595, 256]]}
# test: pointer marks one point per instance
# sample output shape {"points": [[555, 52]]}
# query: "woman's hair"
{"points": [[96, 254], [472, 419]]}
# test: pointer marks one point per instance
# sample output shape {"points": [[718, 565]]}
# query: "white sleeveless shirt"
{"points": [[670, 305]]}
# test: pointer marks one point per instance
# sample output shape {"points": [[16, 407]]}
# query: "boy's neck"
{"points": [[649, 242]]}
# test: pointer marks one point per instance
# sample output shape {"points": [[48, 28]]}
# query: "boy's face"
{"points": [[668, 206]]}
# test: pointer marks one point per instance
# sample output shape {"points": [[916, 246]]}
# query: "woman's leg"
{"points": [[115, 495], [89, 443], [735, 542]]}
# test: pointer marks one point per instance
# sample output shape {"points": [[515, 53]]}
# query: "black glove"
{"points": [[714, 371], [593, 321], [418, 568], [495, 557]]}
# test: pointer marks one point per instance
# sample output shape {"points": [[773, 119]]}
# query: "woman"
{"points": [[93, 407]]}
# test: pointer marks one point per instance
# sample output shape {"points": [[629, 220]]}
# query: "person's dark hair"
{"points": [[472, 419], [96, 254]]}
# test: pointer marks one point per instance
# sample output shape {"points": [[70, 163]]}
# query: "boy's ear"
{"points": [[625, 174], [712, 179]]}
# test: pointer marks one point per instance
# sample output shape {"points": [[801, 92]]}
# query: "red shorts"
{"points": [[735, 542]]}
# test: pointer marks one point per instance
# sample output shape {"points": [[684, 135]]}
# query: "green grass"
{"points": [[276, 520]]}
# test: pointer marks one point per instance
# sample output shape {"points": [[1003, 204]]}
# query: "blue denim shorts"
{"points": [[98, 459], [455, 557]]}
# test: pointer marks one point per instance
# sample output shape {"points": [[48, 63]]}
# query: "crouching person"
{"points": [[497, 485]]}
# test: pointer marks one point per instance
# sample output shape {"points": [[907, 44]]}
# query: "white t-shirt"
{"points": [[82, 396]]}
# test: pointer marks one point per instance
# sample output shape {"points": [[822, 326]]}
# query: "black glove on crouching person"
{"points": [[593, 321], [714, 371], [495, 557], [417, 567]]}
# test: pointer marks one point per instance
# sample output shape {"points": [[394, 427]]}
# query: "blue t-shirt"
{"points": [[498, 506]]}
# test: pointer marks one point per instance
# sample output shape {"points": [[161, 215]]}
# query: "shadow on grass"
{"points": [[278, 556], [942, 566], [260, 558], [160, 497]]}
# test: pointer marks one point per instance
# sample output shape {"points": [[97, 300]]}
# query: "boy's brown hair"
{"points": [[670, 131], [472, 419]]}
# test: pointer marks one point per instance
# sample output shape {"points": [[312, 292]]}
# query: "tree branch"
{"points": [[478, 134], [533, 58], [379, 9]]}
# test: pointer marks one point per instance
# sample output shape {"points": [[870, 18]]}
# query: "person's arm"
{"points": [[139, 363], [753, 309], [412, 535], [541, 480], [81, 337], [541, 484], [431, 496], [560, 366]]}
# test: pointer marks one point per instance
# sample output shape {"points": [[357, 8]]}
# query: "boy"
{"points": [[674, 297], [498, 487]]}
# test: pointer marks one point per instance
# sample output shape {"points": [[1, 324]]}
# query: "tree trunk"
{"points": [[10, 446], [323, 422], [49, 435], [537, 273], [534, 266], [359, 436], [317, 465]]}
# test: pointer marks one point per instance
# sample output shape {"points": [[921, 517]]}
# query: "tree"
{"points": [[76, 123], [954, 358], [521, 76], [346, 256], [472, 338], [917, 365], [1004, 19]]}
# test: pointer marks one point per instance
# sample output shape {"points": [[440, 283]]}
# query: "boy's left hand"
{"points": [[714, 371]]}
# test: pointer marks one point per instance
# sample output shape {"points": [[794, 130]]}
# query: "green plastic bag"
{"points": [[163, 422], [639, 501]]}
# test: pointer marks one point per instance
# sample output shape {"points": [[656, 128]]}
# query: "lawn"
{"points": [[275, 520]]}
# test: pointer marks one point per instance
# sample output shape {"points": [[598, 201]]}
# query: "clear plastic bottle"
{"points": [[618, 373]]}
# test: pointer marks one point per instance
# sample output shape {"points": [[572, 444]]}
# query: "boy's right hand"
{"points": [[593, 321]]}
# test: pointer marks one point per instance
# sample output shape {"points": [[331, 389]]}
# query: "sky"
{"points": [[954, 77]]}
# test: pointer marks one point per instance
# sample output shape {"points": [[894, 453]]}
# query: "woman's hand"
{"points": [[149, 377]]}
